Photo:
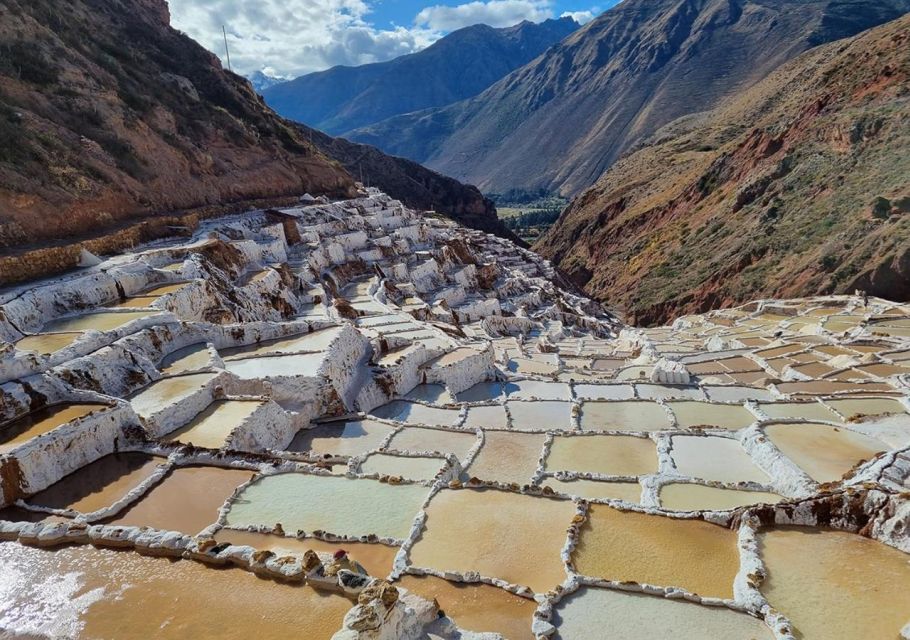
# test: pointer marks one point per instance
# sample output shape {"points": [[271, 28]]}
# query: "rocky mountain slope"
{"points": [[560, 121], [800, 185], [458, 66], [109, 117]]}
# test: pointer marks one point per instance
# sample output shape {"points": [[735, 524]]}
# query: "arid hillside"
{"points": [[798, 186]]}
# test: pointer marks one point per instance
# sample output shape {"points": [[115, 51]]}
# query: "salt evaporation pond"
{"points": [[301, 364], [488, 416], [835, 585], [416, 413], [46, 342], [712, 458], [214, 424], [507, 457], [627, 546], [805, 410], [83, 592], [168, 391], [824, 452], [704, 414], [476, 606], [540, 415], [191, 358], [36, 423], [418, 440], [315, 341], [513, 537], [346, 438], [187, 500], [102, 321], [98, 484], [407, 467], [338, 505], [684, 496], [624, 416], [588, 612], [606, 455], [596, 489]]}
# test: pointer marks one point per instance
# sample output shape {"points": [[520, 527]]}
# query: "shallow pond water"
{"points": [[607, 455], [706, 414], [435, 393], [301, 364], [187, 500], [339, 505], [214, 424], [514, 537], [507, 457], [481, 392], [711, 458], [489, 416], [417, 440], [850, 407], [477, 607], [83, 592], [415, 413], [624, 416], [101, 321], [695, 497], [604, 391], [46, 342], [315, 341], [586, 613], [191, 358], [347, 438], [623, 545], [835, 585], [539, 389], [596, 489], [406, 467], [98, 484], [168, 391], [824, 452], [36, 423], [805, 410], [542, 415]]}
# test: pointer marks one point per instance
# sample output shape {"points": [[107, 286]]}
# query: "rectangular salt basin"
{"points": [[666, 392], [98, 484], [835, 585], [435, 393], [604, 391], [415, 413], [628, 415], [347, 438], [136, 302], [214, 424], [541, 415], [407, 467], [477, 607], [315, 341], [805, 410], [451, 357], [102, 321], [596, 489], [489, 416], [36, 423], [46, 343], [417, 440], [626, 546], [168, 391], [606, 455], [683, 496], [737, 394], [824, 452], [187, 500], [377, 559], [507, 457], [191, 358], [585, 614], [713, 458], [339, 505], [538, 389], [850, 407], [303, 364], [101, 593], [482, 392], [723, 416], [515, 537]]}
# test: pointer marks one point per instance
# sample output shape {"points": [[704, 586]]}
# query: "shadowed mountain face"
{"points": [[109, 117], [799, 185], [561, 120], [458, 66]]}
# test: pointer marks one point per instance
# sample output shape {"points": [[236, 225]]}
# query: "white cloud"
{"points": [[293, 37], [581, 17], [496, 13]]}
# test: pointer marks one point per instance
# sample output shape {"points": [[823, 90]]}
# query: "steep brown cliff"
{"points": [[798, 186]]}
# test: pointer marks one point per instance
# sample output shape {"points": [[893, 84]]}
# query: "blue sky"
{"points": [[288, 38]]}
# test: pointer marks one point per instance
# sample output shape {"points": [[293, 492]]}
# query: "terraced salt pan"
{"points": [[514, 537], [302, 364], [835, 585], [737, 394], [406, 467], [99, 484], [99, 593], [191, 358], [36, 423], [417, 440], [456, 355], [596, 489], [316, 341], [541, 390], [722, 416], [695, 497], [415, 413], [711, 458], [168, 391], [624, 416], [482, 392], [377, 559], [187, 500], [46, 343], [824, 452], [531, 366], [543, 415], [507, 457], [435, 393], [477, 607], [628, 546], [604, 391], [214, 424], [849, 407], [348, 438], [103, 321], [805, 410], [135, 302], [163, 289], [587, 613], [607, 455], [339, 505], [489, 416]]}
